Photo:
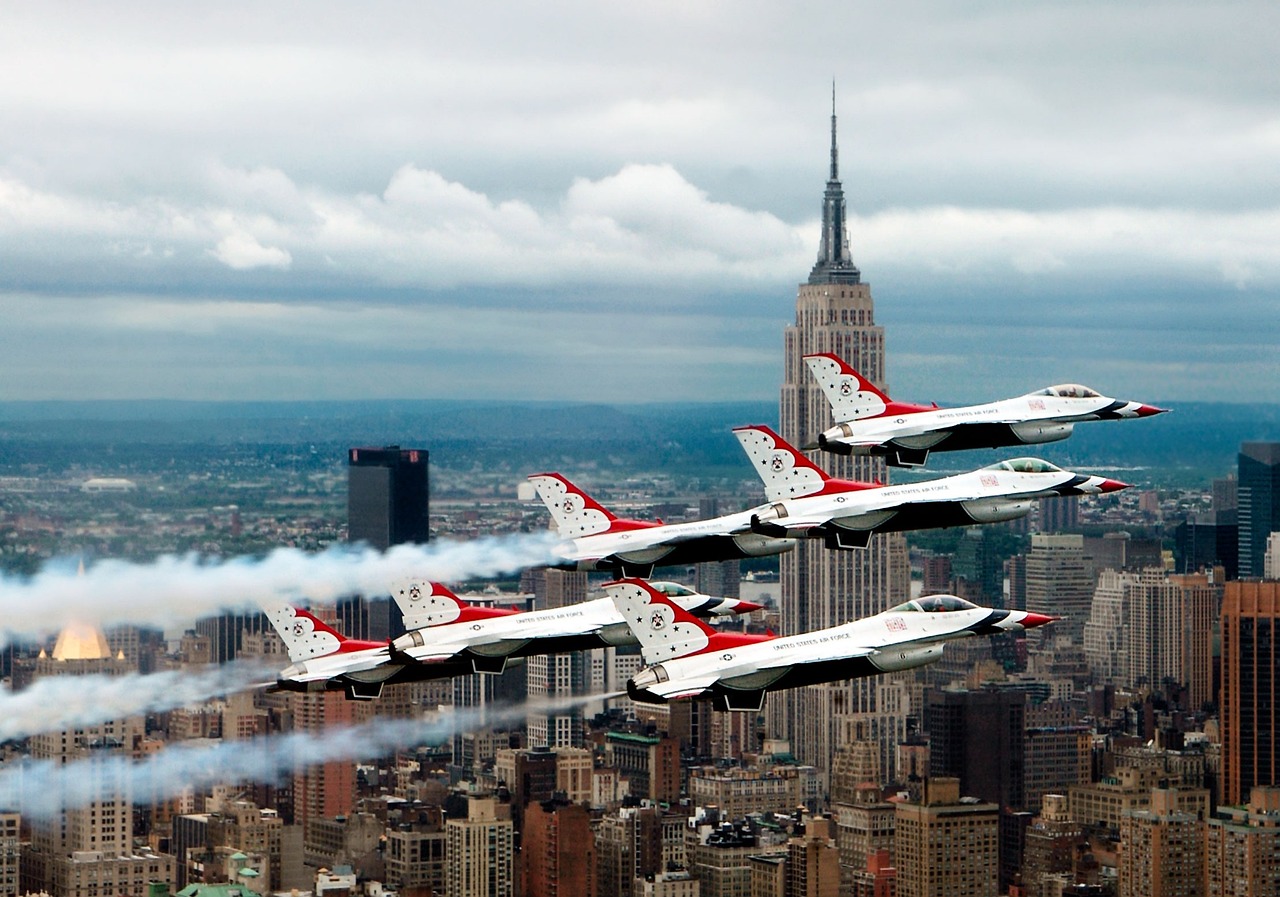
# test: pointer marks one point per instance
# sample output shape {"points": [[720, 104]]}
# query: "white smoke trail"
{"points": [[45, 789], [67, 702], [174, 591]]}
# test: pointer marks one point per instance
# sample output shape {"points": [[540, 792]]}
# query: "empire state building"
{"points": [[823, 587]]}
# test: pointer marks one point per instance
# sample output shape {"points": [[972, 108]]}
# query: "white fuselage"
{"points": [[594, 623], [979, 496], [331, 666], [1025, 420], [887, 641]]}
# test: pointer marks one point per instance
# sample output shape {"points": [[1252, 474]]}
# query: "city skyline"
{"points": [[236, 205]]}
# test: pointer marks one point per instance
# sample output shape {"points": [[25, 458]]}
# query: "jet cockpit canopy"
{"points": [[1025, 465], [932, 604], [1068, 391]]}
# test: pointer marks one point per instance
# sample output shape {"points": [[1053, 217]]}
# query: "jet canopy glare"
{"points": [[1068, 391], [672, 589], [932, 604], [1025, 465]]}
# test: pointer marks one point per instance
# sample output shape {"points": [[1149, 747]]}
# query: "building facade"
{"points": [[822, 587], [1250, 677]]}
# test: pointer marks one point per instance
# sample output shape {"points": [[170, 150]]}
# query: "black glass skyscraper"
{"points": [[1257, 502], [388, 492]]}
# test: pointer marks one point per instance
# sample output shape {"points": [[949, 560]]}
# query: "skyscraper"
{"points": [[821, 587], [1058, 583], [480, 850], [1250, 677], [1257, 502], [944, 846], [90, 844], [978, 737], [1161, 852], [388, 503]]}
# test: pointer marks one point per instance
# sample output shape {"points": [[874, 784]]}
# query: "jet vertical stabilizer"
{"points": [[424, 604], [305, 635], [786, 472], [665, 629], [851, 396]]}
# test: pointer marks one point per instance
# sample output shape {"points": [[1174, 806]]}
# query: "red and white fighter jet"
{"points": [[805, 501], [868, 422], [685, 658], [596, 539], [445, 629], [323, 659]]}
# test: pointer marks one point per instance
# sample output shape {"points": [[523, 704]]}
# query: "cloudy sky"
{"points": [[615, 202]]}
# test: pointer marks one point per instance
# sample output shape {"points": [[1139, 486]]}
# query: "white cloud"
{"points": [[242, 252]]}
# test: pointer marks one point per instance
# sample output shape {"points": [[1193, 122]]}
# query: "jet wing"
{"points": [[685, 688], [438, 653]]}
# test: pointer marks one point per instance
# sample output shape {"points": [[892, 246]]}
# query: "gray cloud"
{"points": [[271, 189]]}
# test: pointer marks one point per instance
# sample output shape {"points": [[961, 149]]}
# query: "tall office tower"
{"points": [[979, 562], [388, 503], [1222, 493], [944, 846], [1060, 514], [480, 850], [1016, 571], [1250, 678], [555, 677], [1055, 758], [978, 738], [1161, 853], [1242, 848], [1147, 630], [1053, 843], [634, 843], [558, 856], [324, 790], [717, 577], [1207, 540], [813, 863], [1059, 584], [650, 762], [1257, 502], [10, 824], [90, 844], [1271, 559], [226, 633], [822, 587]]}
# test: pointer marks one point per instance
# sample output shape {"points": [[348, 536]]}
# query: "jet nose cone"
{"points": [[1032, 620], [1150, 410], [746, 607], [1112, 486]]}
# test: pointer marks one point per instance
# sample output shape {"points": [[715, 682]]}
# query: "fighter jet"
{"points": [[322, 659], [685, 658], [445, 629], [868, 422], [805, 501], [596, 539]]}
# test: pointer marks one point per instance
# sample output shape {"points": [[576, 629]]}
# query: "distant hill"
{"points": [[1196, 441]]}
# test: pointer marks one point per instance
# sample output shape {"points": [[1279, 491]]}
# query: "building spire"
{"points": [[835, 264], [835, 150]]}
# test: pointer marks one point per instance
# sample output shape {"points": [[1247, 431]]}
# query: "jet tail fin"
{"points": [[575, 513], [424, 604], [786, 472], [664, 629], [851, 395], [305, 635]]}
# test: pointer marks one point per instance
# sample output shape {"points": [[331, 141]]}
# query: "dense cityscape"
{"points": [[1128, 748]]}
